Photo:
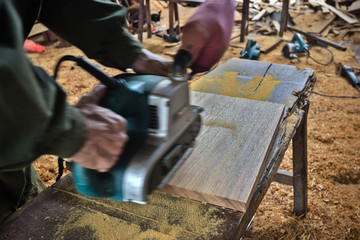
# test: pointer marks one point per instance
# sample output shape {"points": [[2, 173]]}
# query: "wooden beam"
{"points": [[300, 166], [284, 17], [148, 19], [141, 20], [342, 15], [244, 20]]}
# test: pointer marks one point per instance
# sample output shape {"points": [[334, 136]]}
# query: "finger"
{"points": [[112, 148], [118, 138], [105, 159], [94, 96], [117, 123], [114, 121]]}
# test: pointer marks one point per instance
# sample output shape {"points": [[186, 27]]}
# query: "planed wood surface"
{"points": [[230, 151]]}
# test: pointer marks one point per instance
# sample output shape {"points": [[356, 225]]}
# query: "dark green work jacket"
{"points": [[35, 118]]}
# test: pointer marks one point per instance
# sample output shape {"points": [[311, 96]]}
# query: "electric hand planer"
{"points": [[162, 127]]}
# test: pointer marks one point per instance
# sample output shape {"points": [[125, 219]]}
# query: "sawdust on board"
{"points": [[156, 220], [103, 226], [214, 123], [257, 87]]}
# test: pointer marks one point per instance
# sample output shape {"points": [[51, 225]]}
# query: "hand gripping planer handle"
{"points": [[128, 100]]}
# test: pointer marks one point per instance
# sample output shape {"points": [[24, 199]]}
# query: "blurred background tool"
{"points": [[349, 74], [251, 50], [316, 40], [296, 45]]}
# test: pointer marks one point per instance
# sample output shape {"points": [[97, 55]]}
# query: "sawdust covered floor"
{"points": [[333, 147]]}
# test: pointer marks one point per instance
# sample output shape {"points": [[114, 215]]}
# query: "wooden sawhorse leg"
{"points": [[173, 10], [298, 177], [244, 20], [141, 20], [148, 19], [284, 17], [300, 165]]}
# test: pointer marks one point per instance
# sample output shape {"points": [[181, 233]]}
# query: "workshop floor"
{"points": [[333, 151]]}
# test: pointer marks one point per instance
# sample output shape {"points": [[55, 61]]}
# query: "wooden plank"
{"points": [[314, 23], [258, 16], [355, 6], [230, 151], [342, 15], [60, 213], [273, 46]]}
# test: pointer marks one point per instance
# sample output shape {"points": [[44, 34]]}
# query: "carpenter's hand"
{"points": [[106, 133], [150, 63], [207, 33]]}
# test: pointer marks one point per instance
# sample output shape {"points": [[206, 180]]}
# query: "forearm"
{"points": [[34, 118]]}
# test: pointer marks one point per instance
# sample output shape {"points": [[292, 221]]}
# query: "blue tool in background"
{"points": [[296, 45], [349, 74], [251, 50]]}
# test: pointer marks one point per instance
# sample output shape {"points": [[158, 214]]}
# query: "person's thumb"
{"points": [[94, 96]]}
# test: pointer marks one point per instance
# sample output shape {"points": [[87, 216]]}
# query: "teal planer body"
{"points": [[161, 125]]}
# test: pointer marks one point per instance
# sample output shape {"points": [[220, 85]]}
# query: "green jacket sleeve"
{"points": [[94, 26], [34, 118]]}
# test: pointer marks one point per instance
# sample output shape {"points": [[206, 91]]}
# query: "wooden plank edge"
{"points": [[274, 162], [204, 198], [222, 201]]}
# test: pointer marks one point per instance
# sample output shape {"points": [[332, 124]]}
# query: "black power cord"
{"points": [[324, 64], [334, 96]]}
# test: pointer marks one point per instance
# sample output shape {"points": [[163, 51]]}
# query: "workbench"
{"points": [[60, 212]]}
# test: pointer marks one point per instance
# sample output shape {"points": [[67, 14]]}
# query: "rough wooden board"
{"points": [[355, 6], [342, 15], [314, 23], [61, 213], [230, 151]]}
